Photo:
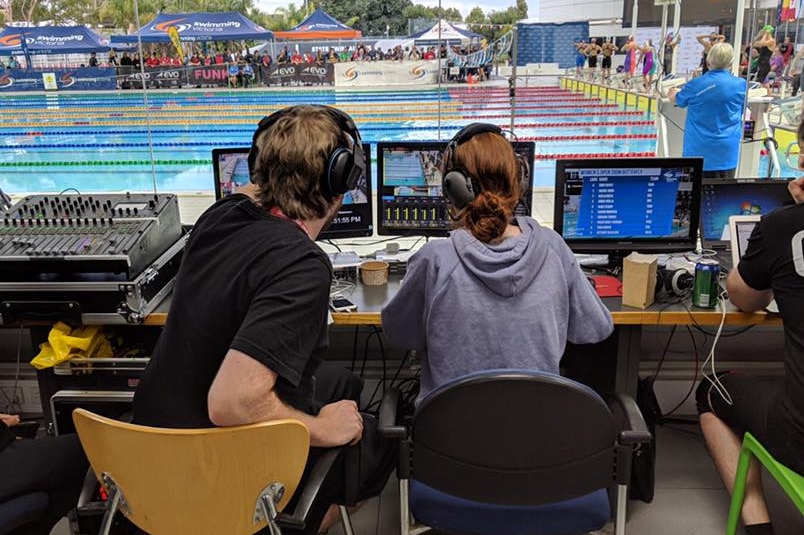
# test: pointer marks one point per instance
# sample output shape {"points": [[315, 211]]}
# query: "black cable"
{"points": [[330, 242], [365, 353], [664, 353], [354, 348], [694, 378], [62, 192], [370, 403], [12, 401]]}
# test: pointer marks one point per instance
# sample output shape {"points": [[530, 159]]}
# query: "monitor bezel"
{"points": [[440, 146], [619, 246], [216, 154], [775, 182], [327, 234]]}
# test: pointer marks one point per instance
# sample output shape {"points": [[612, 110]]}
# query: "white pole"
{"points": [[634, 17], [676, 32], [738, 37], [439, 71]]}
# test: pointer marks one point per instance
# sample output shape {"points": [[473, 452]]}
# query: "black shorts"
{"points": [[757, 408], [606, 62], [763, 70], [592, 62], [377, 455]]}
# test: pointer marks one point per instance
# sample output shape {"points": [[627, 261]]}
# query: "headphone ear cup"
{"points": [[458, 189], [340, 172]]}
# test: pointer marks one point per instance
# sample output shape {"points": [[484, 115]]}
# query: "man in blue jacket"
{"points": [[715, 105]]}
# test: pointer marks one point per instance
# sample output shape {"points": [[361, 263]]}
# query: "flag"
{"points": [[786, 11], [176, 40]]}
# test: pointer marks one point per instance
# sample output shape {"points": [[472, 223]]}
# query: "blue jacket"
{"points": [[715, 105], [467, 306]]}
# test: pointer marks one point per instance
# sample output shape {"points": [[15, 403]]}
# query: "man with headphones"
{"points": [[502, 291], [247, 328]]}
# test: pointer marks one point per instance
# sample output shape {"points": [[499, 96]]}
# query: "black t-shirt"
{"points": [[248, 281], [7, 436], [774, 260]]}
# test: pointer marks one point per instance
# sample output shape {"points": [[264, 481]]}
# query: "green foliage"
{"points": [[372, 17]]}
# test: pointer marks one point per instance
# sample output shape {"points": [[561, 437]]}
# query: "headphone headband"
{"points": [[458, 186], [344, 166]]}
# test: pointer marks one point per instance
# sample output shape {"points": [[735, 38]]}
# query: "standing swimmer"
{"points": [[707, 42], [647, 65], [580, 57], [764, 43]]}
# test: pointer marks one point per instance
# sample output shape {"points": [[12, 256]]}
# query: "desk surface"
{"points": [[370, 300]]}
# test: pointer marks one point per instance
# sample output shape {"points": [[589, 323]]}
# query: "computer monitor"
{"points": [[409, 198], [616, 206], [354, 220], [722, 198]]}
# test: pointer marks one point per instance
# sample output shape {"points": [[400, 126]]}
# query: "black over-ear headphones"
{"points": [[458, 186], [344, 166], [678, 282]]}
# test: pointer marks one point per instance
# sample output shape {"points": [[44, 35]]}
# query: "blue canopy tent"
{"points": [[193, 27], [50, 40], [450, 34], [319, 25]]}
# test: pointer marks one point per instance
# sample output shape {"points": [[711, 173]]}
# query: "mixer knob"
{"points": [[151, 205], [94, 221], [136, 211], [14, 222], [47, 222], [61, 221], [128, 211]]}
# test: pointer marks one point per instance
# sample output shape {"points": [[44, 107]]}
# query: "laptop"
{"points": [[723, 198], [741, 227]]}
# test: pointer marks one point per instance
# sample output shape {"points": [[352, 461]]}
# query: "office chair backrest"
{"points": [[513, 437], [195, 481]]}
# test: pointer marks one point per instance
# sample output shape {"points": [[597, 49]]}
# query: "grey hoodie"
{"points": [[467, 306]]}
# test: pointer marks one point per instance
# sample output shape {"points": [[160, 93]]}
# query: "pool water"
{"points": [[99, 141]]}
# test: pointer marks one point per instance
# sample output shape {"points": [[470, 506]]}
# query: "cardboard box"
{"points": [[639, 280]]}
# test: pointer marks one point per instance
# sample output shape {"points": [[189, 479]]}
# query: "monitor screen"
{"points": [[614, 205], [354, 219], [409, 198], [721, 199]]}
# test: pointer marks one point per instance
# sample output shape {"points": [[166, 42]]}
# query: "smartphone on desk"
{"points": [[340, 304]]}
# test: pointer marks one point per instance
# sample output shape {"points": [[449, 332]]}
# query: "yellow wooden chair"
{"points": [[231, 481]]}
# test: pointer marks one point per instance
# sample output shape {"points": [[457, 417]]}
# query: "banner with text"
{"points": [[84, 78], [298, 74], [386, 73]]}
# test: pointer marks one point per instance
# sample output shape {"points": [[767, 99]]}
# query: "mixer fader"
{"points": [[106, 233]]}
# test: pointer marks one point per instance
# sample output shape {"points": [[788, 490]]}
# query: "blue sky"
{"points": [[464, 6]]}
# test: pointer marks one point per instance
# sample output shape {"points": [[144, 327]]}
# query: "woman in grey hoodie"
{"points": [[502, 291]]}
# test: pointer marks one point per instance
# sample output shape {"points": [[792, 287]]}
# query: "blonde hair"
{"points": [[292, 159], [720, 56]]}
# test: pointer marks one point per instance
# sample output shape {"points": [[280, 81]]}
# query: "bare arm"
{"points": [[672, 95], [243, 392], [743, 296]]}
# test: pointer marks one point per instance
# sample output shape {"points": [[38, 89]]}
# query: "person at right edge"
{"points": [[771, 409], [715, 105], [502, 291]]}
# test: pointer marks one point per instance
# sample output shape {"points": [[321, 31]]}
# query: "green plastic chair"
{"points": [[791, 482]]}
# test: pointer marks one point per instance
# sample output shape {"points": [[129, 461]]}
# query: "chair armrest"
{"points": [[637, 430], [389, 412], [312, 488]]}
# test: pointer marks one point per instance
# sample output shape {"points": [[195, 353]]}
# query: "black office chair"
{"points": [[511, 452], [22, 510]]}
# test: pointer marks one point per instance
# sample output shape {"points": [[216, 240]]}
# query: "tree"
{"points": [[522, 9], [476, 16], [369, 16]]}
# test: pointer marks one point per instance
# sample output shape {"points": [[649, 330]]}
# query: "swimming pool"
{"points": [[98, 141]]}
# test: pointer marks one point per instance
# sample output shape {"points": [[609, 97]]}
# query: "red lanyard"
{"points": [[277, 211]]}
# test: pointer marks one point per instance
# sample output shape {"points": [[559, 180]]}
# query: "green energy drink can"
{"points": [[707, 284]]}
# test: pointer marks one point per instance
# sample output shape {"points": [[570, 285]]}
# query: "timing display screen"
{"points": [[627, 203], [723, 199], [354, 219], [410, 198]]}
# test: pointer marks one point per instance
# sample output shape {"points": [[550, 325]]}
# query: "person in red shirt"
{"points": [[176, 62], [218, 59], [152, 61], [164, 60], [308, 57], [194, 60], [430, 54], [296, 58]]}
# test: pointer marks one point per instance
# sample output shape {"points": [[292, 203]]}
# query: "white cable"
{"points": [[341, 288], [713, 378]]}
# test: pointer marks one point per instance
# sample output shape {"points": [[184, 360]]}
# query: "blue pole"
{"points": [[25, 51]]}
